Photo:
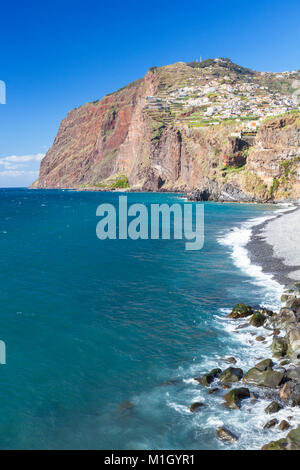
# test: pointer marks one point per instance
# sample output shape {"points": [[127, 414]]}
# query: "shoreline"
{"points": [[263, 254]]}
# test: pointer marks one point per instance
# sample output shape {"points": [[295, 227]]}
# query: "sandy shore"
{"points": [[275, 246]]}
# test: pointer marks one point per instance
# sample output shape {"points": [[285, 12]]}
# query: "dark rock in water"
{"points": [[267, 378], [266, 364], [230, 360], [284, 425], [257, 319], [285, 362], [273, 407], [240, 327], [271, 423], [260, 338], [235, 396], [240, 311], [196, 406], [230, 375], [214, 390], [225, 435], [169, 382], [290, 392], [279, 347], [199, 195], [208, 378]]}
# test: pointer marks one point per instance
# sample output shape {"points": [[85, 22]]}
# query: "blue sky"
{"points": [[57, 55]]}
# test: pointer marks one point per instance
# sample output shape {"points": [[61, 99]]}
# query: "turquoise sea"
{"points": [[103, 338]]}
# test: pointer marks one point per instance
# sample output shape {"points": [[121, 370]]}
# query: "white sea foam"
{"points": [[237, 239]]}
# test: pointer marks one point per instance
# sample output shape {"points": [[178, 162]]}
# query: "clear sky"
{"points": [[56, 55]]}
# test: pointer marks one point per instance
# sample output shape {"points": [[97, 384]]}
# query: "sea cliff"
{"points": [[212, 127]]}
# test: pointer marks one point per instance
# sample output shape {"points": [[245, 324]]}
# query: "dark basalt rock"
{"points": [[208, 378], [225, 435], [273, 407], [235, 396], [196, 406], [230, 375], [230, 360], [271, 423], [240, 311]]}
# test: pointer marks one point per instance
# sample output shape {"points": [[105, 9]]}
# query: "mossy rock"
{"points": [[273, 407], [231, 375], [279, 347], [235, 396], [266, 364], [257, 319], [240, 311], [293, 439], [281, 444], [267, 378]]}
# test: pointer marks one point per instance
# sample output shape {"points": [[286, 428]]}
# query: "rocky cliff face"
{"points": [[143, 138]]}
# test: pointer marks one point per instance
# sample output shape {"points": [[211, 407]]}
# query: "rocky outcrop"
{"points": [[136, 134]]}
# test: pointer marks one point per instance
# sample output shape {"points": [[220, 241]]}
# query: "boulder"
{"points": [[293, 374], [230, 375], [281, 444], [295, 304], [267, 378], [284, 425], [214, 390], [208, 378], [293, 439], [257, 319], [294, 342], [235, 396], [279, 347], [225, 435], [230, 360], [265, 312], [196, 406], [271, 423], [273, 407], [240, 311], [260, 338], [266, 364], [290, 392]]}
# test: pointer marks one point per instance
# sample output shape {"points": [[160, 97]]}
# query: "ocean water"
{"points": [[104, 338]]}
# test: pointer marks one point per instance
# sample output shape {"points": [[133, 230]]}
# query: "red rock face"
{"points": [[123, 135]]}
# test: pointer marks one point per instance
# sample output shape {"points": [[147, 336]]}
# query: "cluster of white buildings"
{"points": [[217, 99]]}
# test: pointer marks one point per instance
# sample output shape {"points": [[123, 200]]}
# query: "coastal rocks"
{"points": [[273, 407], [284, 425], [294, 342], [291, 442], [257, 319], [230, 360], [235, 396], [270, 424], [208, 378], [279, 347], [290, 392], [268, 378], [196, 407], [230, 375], [225, 435], [240, 311], [266, 364], [293, 374], [260, 338]]}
